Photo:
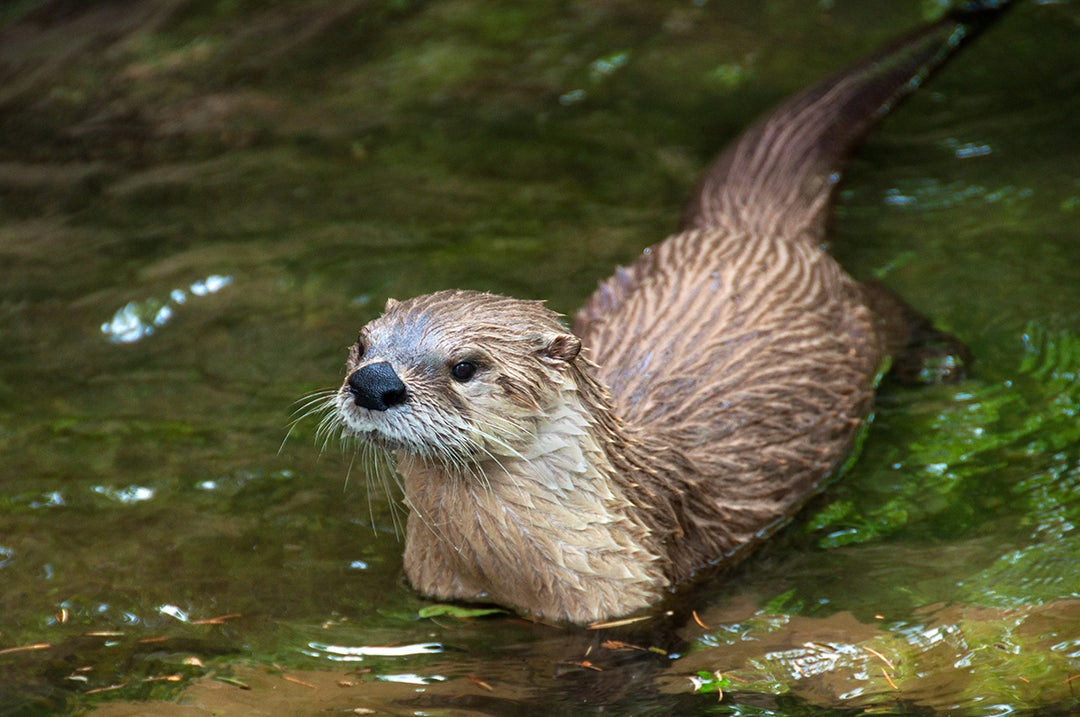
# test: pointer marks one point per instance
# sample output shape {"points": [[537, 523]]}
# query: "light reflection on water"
{"points": [[174, 612], [931, 194], [967, 150], [53, 499], [139, 319], [157, 466], [956, 658], [130, 494], [344, 653], [412, 679]]}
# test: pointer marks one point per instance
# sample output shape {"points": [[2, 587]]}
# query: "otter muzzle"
{"points": [[376, 387]]}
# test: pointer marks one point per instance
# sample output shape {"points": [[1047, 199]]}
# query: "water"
{"points": [[200, 204]]}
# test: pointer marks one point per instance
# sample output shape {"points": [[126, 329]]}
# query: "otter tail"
{"points": [[777, 178]]}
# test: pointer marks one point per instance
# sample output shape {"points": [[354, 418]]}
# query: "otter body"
{"points": [[705, 392]]}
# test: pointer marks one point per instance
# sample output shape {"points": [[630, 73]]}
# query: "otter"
{"points": [[703, 395]]}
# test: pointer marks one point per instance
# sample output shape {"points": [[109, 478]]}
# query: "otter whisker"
{"points": [[513, 427], [331, 426], [308, 406], [315, 398], [380, 474], [387, 475], [367, 459]]}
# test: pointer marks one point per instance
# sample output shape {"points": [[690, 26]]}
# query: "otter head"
{"points": [[456, 376]]}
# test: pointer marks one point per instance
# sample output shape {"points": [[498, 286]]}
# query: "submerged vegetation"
{"points": [[202, 201]]}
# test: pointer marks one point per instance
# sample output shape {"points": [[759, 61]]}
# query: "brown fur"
{"points": [[718, 382]]}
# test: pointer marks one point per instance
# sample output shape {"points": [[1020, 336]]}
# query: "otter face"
{"points": [[456, 376]]}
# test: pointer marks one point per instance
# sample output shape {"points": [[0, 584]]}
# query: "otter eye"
{"points": [[463, 370], [359, 348]]}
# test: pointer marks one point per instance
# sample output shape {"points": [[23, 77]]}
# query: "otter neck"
{"points": [[544, 528]]}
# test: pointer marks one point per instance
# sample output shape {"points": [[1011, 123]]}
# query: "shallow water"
{"points": [[200, 204]]}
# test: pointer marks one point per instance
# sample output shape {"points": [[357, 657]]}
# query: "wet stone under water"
{"points": [[201, 203]]}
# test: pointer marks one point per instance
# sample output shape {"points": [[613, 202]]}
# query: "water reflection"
{"points": [[412, 679], [343, 653], [53, 499], [171, 502], [967, 150], [930, 193], [130, 494], [174, 612], [139, 319], [954, 658]]}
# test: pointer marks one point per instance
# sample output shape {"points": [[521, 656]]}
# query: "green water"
{"points": [[201, 203]]}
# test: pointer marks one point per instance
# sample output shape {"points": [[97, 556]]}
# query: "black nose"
{"points": [[376, 387]]}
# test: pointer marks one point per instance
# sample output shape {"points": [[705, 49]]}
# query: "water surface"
{"points": [[202, 202]]}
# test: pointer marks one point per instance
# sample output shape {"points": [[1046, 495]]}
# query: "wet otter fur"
{"points": [[705, 392]]}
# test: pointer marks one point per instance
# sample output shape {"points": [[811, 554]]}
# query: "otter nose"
{"points": [[376, 387]]}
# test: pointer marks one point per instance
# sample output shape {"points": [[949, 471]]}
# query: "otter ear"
{"points": [[390, 304], [562, 347]]}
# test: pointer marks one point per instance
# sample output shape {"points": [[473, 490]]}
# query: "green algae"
{"points": [[973, 437], [328, 157]]}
